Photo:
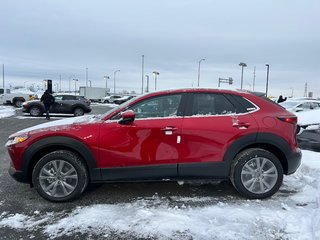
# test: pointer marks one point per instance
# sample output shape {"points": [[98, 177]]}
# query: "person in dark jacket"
{"points": [[47, 100], [281, 99]]}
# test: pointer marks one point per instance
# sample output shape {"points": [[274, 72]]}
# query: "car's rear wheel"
{"points": [[18, 102], [256, 173], [78, 111], [60, 176], [106, 101], [35, 111]]}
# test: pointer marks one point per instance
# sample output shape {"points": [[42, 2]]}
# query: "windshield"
{"points": [[289, 104], [123, 105]]}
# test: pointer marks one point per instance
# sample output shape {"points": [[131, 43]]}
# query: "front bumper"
{"points": [[18, 175], [294, 161]]}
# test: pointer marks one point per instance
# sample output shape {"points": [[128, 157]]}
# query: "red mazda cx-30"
{"points": [[178, 135]]}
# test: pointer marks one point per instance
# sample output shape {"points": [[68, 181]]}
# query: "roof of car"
{"points": [[203, 90]]}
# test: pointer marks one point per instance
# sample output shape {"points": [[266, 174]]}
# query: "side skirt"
{"points": [[189, 171]]}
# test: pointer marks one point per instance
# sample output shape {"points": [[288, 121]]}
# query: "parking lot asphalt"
{"points": [[20, 198]]}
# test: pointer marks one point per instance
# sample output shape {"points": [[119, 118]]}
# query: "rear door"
{"points": [[213, 122]]}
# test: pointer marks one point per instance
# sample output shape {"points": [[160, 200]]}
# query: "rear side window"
{"points": [[68, 97], [211, 104]]}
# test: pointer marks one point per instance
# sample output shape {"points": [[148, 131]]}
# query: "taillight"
{"points": [[291, 119]]}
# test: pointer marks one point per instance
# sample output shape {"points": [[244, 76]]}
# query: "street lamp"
{"points": [[114, 80], [147, 76], [70, 77], [75, 85], [267, 79], [155, 79], [142, 78], [199, 71], [106, 79], [242, 65]]}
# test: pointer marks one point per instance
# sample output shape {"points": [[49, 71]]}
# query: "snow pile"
{"points": [[292, 213], [6, 111]]}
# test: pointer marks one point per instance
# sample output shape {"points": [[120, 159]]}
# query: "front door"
{"points": [[147, 148]]}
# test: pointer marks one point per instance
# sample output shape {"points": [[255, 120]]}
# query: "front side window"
{"points": [[305, 105], [212, 104], [158, 107]]}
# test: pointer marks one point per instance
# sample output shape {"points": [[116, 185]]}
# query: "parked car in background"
{"points": [[16, 99], [122, 99], [68, 104], [110, 98], [299, 105], [169, 135]]}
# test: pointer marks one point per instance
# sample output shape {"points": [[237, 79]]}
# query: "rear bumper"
{"points": [[294, 161]]}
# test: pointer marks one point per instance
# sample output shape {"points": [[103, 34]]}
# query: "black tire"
{"points": [[256, 173], [78, 111], [106, 101], [35, 111], [18, 102], [59, 180]]}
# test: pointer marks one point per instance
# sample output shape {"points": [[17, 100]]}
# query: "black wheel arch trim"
{"points": [[60, 141], [270, 139]]}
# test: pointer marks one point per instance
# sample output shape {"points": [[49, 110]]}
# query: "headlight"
{"points": [[16, 139]]}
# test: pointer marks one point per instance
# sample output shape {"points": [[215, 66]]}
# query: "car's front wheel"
{"points": [[78, 111], [35, 111], [60, 176], [256, 173]]}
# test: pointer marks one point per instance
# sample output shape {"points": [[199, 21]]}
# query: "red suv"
{"points": [[170, 135]]}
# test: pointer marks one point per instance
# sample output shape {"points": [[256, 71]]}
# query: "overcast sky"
{"points": [[44, 39]]}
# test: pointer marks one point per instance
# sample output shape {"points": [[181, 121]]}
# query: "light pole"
{"points": [[155, 79], [267, 79], [4, 91], [106, 79], [142, 76], [147, 76], [60, 83], [70, 82], [86, 77], [114, 80], [242, 65], [75, 85], [199, 71]]}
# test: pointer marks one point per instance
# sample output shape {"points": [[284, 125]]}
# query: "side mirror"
{"points": [[127, 117], [298, 109]]}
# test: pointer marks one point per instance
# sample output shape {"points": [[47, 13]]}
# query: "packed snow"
{"points": [[6, 111], [292, 213]]}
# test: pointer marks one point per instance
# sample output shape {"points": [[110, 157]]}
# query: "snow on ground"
{"points": [[292, 213], [6, 111]]}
